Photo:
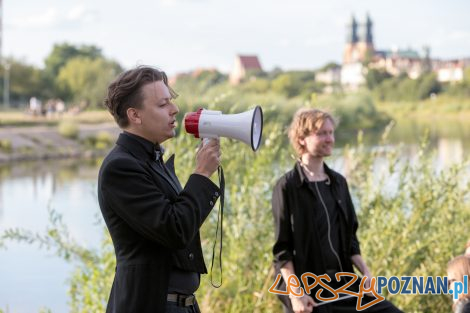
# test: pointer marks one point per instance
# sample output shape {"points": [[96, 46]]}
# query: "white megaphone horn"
{"points": [[246, 126]]}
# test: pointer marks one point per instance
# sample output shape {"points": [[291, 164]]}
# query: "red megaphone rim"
{"points": [[191, 122]]}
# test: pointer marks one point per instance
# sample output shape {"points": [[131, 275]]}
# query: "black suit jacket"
{"points": [[154, 224]]}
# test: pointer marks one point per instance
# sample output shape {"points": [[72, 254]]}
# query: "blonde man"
{"points": [[458, 269], [314, 217]]}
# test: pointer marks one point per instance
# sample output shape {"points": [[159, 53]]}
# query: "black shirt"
{"points": [[327, 224]]}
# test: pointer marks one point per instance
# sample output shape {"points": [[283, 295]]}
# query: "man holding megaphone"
{"points": [[153, 221]]}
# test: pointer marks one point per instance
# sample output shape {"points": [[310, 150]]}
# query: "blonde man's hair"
{"points": [[460, 266], [305, 122]]}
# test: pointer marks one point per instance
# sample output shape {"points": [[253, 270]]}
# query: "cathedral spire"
{"points": [[351, 34], [369, 38]]}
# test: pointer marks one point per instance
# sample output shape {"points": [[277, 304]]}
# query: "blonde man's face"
{"points": [[320, 143]]}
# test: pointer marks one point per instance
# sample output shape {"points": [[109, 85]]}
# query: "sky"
{"points": [[182, 35]]}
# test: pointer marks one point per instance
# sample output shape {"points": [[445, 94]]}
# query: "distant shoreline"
{"points": [[31, 143]]}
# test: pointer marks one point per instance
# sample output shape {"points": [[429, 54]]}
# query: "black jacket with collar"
{"points": [[296, 238], [154, 224]]}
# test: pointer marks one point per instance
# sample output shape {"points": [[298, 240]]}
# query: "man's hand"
{"points": [[368, 283], [208, 158], [304, 304], [359, 262]]}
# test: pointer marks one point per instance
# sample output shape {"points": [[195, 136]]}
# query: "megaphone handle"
{"points": [[205, 141]]}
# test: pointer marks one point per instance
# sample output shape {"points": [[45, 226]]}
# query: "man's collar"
{"points": [[140, 147], [301, 175]]}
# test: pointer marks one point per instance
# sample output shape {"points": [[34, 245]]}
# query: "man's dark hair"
{"points": [[125, 91]]}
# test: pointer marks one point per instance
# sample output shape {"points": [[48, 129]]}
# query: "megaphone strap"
{"points": [[220, 217]]}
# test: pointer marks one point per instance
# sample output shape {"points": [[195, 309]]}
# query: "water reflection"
{"points": [[450, 151], [1, 202], [33, 278]]}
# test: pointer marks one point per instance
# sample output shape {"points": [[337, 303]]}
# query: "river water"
{"points": [[32, 278]]}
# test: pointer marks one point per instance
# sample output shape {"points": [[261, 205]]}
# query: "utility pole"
{"points": [[6, 66], [6, 84], [1, 31]]}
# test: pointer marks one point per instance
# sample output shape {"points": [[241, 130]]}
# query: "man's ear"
{"points": [[301, 142], [134, 116]]}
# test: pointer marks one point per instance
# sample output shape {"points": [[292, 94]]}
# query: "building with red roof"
{"points": [[244, 64]]}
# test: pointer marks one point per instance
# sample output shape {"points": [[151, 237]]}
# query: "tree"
{"points": [[86, 79], [466, 75], [257, 85], [428, 85], [407, 89], [59, 56], [288, 84], [374, 77], [25, 80], [328, 66], [62, 53]]}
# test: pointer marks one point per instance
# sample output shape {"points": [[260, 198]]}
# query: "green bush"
{"points": [[413, 218], [104, 140], [68, 129], [5, 145], [403, 88]]}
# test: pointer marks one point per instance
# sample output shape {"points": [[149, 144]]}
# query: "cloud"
{"points": [[45, 19], [459, 35], [171, 3], [53, 18], [80, 15]]}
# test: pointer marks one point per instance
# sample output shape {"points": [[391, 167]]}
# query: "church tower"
{"points": [[351, 40], [359, 45]]}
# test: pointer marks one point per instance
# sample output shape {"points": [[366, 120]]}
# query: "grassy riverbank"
{"points": [[23, 119], [441, 107]]}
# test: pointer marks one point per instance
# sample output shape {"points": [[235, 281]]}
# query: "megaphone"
{"points": [[246, 126]]}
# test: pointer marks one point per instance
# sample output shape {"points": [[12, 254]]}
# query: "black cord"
{"points": [[220, 216]]}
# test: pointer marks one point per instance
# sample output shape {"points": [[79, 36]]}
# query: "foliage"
{"points": [[256, 85], [87, 79], [404, 88], [405, 214], [375, 77], [460, 89], [26, 81], [20, 119], [435, 109], [89, 284], [329, 66], [60, 55], [6, 145], [286, 84], [68, 129], [354, 111], [198, 82], [294, 83], [64, 52], [56, 236], [102, 140]]}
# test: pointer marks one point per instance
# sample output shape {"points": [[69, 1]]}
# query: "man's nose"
{"points": [[175, 109]]}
